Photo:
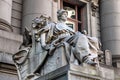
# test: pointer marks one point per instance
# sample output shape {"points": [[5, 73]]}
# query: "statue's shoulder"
{"points": [[92, 38], [50, 25]]}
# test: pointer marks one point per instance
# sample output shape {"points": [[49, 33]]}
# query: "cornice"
{"points": [[4, 25]]}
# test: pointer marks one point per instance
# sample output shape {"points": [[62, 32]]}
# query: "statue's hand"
{"points": [[46, 47]]}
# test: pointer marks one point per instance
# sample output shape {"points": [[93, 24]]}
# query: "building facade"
{"points": [[99, 17]]}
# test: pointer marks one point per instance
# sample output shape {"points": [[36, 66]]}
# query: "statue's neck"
{"points": [[61, 21]]}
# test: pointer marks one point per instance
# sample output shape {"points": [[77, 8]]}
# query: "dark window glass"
{"points": [[71, 10]]}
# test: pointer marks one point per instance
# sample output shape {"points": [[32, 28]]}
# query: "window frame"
{"points": [[77, 5]]}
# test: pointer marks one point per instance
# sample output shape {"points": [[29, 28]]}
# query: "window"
{"points": [[76, 11]]}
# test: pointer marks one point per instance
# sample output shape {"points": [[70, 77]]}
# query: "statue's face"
{"points": [[64, 16]]}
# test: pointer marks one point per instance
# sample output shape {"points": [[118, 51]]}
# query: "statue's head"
{"points": [[62, 15], [40, 21], [84, 32]]}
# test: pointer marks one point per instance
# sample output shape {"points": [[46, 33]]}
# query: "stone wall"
{"points": [[7, 68], [16, 16]]}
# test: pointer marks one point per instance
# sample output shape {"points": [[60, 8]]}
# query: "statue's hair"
{"points": [[60, 12]]}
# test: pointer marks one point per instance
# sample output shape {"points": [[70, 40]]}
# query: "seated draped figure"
{"points": [[51, 36], [83, 47]]}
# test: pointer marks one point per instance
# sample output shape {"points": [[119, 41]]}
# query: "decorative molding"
{"points": [[4, 25], [12, 41], [8, 68], [94, 6], [21, 56], [6, 58]]}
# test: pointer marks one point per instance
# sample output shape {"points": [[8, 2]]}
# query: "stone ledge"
{"points": [[107, 73], [83, 72], [67, 73], [6, 58], [10, 42], [11, 36], [86, 69], [8, 69]]}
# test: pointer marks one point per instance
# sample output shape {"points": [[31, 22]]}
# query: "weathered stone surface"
{"points": [[110, 25], [67, 73], [109, 16], [7, 76], [8, 71], [55, 61], [117, 73], [107, 73], [5, 10], [18, 1], [16, 18], [83, 72], [10, 42], [86, 69], [108, 57], [6, 58], [55, 45], [32, 9]]}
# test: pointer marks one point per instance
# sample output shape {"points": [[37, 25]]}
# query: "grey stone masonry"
{"points": [[10, 42], [83, 72], [73, 72]]}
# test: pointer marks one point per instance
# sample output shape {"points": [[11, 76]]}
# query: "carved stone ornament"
{"points": [[21, 56], [50, 42], [94, 6]]}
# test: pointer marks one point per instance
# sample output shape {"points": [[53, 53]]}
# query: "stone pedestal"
{"points": [[81, 72], [73, 72], [54, 61]]}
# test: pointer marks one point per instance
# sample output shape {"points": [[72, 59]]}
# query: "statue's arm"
{"points": [[43, 43]]}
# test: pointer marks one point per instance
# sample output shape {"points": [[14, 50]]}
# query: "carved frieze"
{"points": [[94, 6]]}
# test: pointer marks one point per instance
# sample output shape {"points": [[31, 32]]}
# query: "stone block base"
{"points": [[73, 72]]}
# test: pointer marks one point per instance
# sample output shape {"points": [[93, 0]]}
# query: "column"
{"points": [[5, 15], [110, 26], [33, 9], [9, 41], [95, 27]]}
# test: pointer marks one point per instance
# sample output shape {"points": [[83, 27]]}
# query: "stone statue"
{"points": [[47, 37], [59, 34]]}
